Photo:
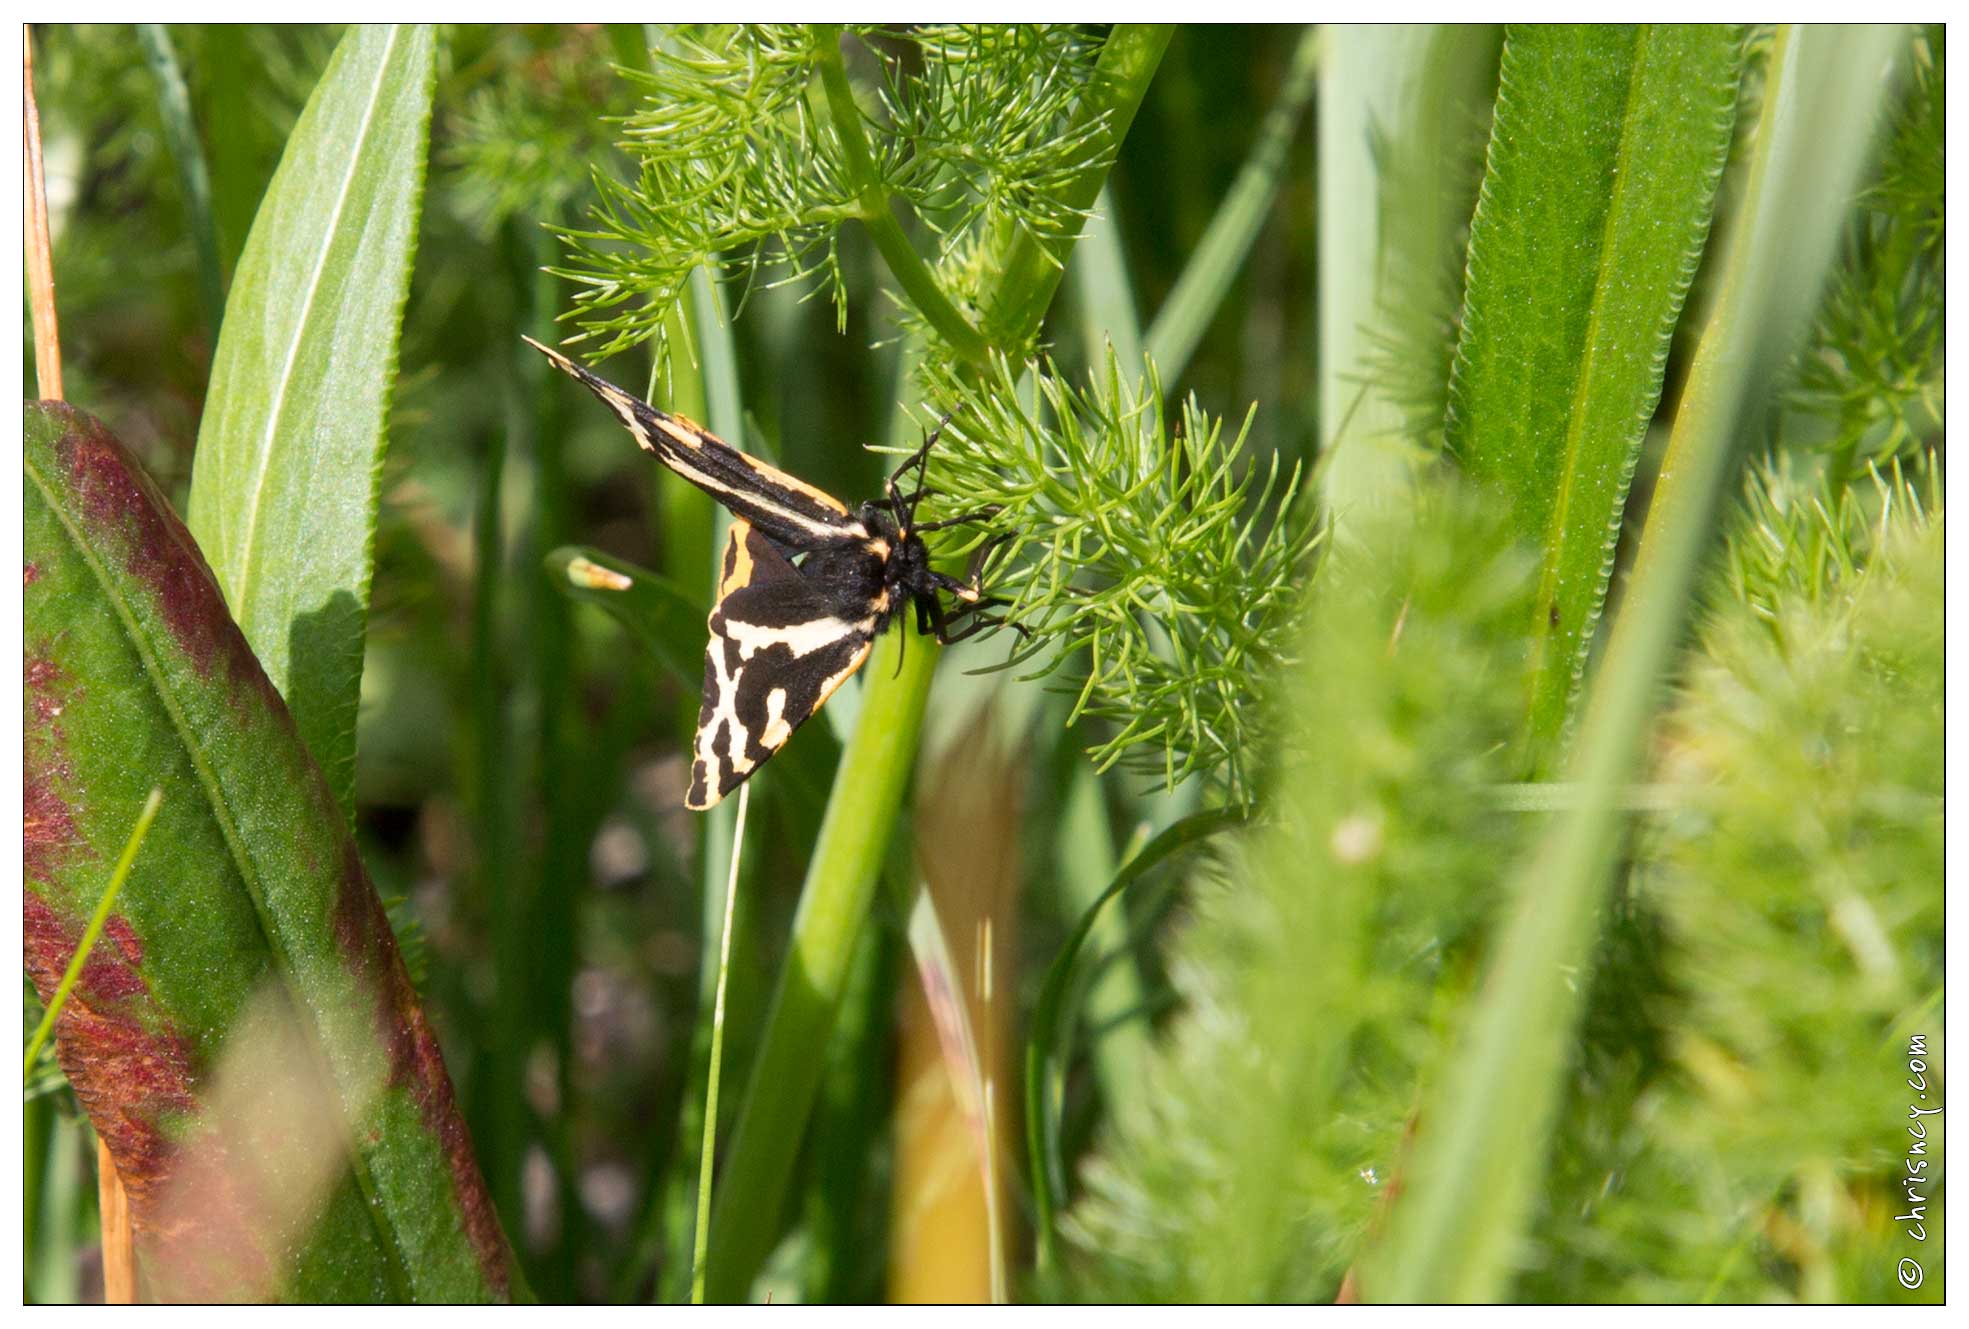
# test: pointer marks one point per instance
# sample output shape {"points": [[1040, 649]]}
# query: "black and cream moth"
{"points": [[784, 636]]}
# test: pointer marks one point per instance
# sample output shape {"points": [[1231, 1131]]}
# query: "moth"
{"points": [[785, 635]]}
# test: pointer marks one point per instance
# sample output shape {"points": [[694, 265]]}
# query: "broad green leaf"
{"points": [[1604, 156], [284, 486], [244, 1035]]}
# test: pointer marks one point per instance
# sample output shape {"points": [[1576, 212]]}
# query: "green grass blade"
{"points": [[700, 541], [1103, 292], [1085, 857], [1605, 153], [285, 482], [1401, 113], [1481, 1152], [174, 107], [1207, 277], [1045, 1075], [94, 931], [249, 981], [707, 1152]]}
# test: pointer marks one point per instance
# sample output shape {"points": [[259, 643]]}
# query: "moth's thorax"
{"points": [[909, 566], [903, 560]]}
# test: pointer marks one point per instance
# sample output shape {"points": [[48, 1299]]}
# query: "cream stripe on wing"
{"points": [[798, 638]]}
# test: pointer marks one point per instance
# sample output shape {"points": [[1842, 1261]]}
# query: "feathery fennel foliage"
{"points": [[528, 146], [1315, 973], [752, 150], [1157, 561], [1803, 537], [1801, 884], [1622, 1216], [1873, 368]]}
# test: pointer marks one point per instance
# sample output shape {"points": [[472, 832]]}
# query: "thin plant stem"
{"points": [[1206, 279], [706, 1157], [1031, 268], [118, 1242], [1045, 1077], [112, 1203], [876, 207], [40, 251], [867, 793], [117, 877]]}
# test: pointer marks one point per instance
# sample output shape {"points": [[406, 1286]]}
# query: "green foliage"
{"points": [[1358, 1060], [1873, 368], [251, 936], [1220, 255], [1158, 555], [139, 350], [526, 144], [1408, 221], [1324, 950], [290, 448], [1798, 882], [1796, 540], [1604, 157], [195, 181], [737, 164], [1483, 1148], [1050, 1040]]}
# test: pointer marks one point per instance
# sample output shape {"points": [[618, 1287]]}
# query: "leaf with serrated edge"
{"points": [[290, 448]]}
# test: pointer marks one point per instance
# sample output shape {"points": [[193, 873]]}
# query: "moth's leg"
{"points": [[971, 615], [985, 513], [970, 592], [930, 606], [977, 623]]}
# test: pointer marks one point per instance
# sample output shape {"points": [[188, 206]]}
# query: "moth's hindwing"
{"points": [[779, 647]]}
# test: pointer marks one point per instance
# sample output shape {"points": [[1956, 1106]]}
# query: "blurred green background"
{"points": [[522, 758]]}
